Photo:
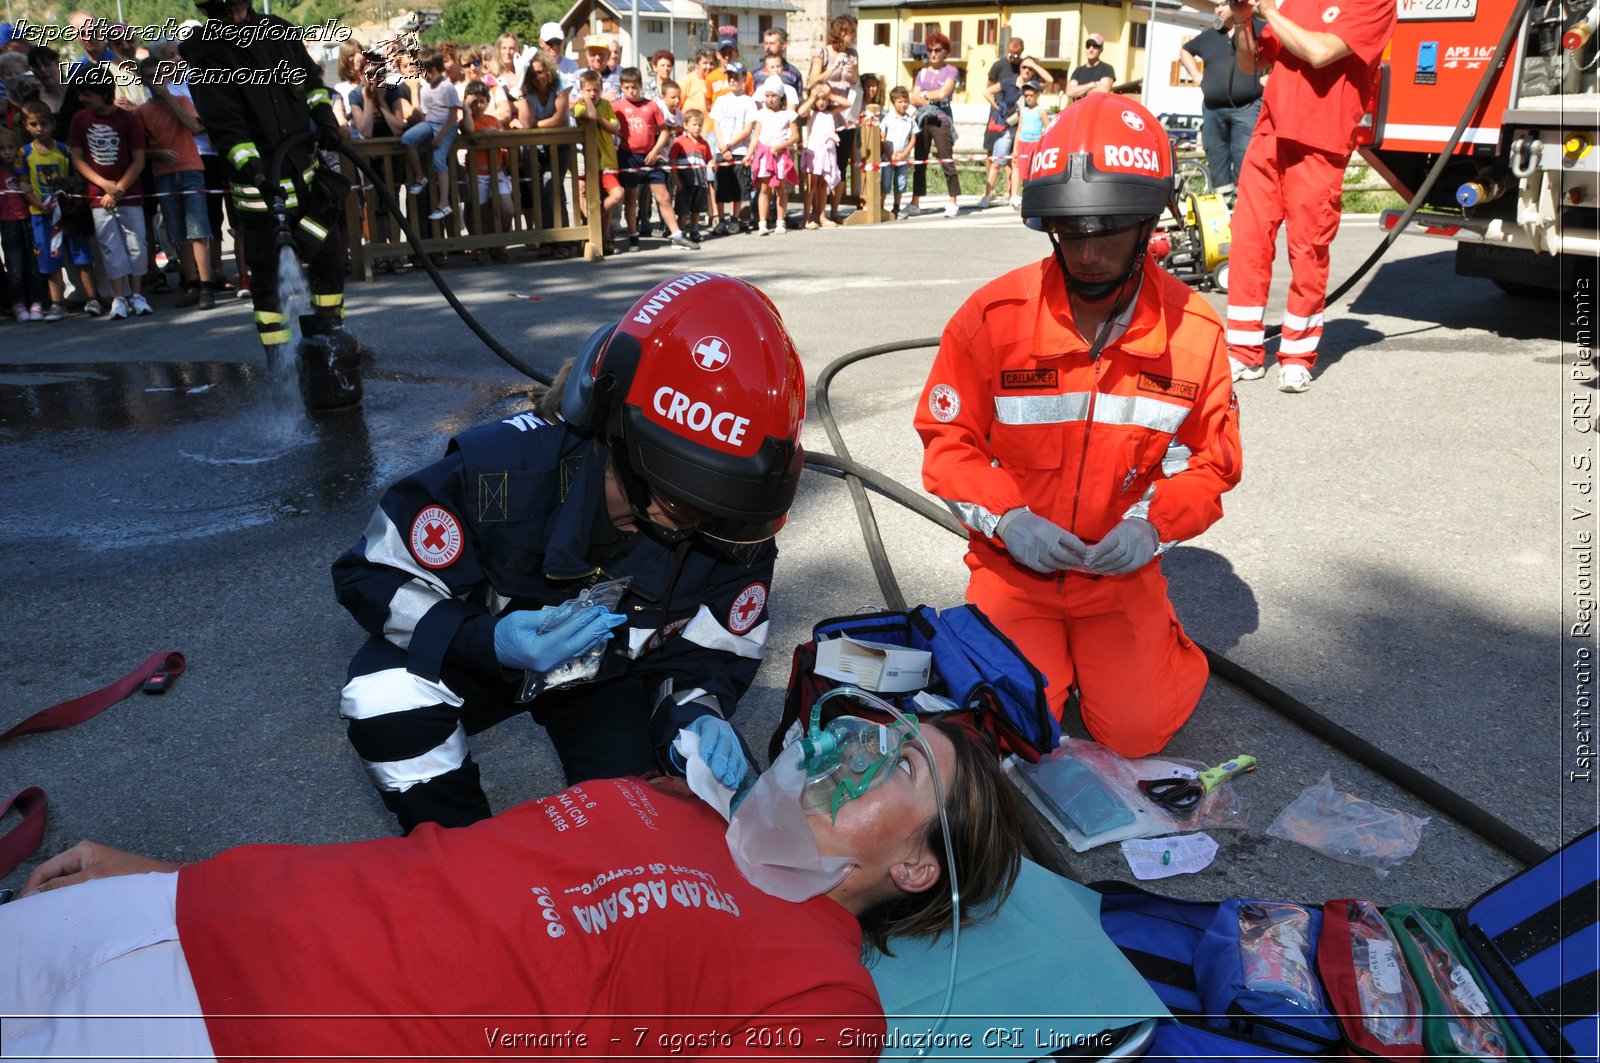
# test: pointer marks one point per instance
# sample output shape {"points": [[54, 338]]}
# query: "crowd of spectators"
{"points": [[713, 150]]}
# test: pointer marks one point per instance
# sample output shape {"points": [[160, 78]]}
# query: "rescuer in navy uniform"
{"points": [[254, 85], [667, 453]]}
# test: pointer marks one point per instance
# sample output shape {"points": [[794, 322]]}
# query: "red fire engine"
{"points": [[1521, 194]]}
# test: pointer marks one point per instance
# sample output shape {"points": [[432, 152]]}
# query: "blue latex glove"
{"points": [[721, 750], [1128, 546], [1039, 544], [539, 640]]}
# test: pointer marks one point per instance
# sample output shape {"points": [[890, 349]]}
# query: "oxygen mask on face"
{"points": [[847, 758], [769, 835]]}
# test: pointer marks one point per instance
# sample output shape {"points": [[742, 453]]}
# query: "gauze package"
{"points": [[771, 842]]}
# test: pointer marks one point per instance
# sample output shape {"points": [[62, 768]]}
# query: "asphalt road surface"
{"points": [[1397, 556]]}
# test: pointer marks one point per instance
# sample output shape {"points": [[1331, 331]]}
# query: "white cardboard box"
{"points": [[874, 665]]}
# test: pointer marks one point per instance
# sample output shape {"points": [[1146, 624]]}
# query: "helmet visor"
{"points": [[1083, 226]]}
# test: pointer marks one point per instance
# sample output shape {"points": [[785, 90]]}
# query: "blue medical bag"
{"points": [[1531, 943], [993, 686]]}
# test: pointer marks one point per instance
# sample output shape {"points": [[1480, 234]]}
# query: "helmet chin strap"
{"points": [[1105, 289]]}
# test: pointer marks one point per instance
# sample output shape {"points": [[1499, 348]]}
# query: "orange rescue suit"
{"points": [[1015, 414]]}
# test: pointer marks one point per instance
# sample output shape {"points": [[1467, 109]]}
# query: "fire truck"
{"points": [[1520, 194]]}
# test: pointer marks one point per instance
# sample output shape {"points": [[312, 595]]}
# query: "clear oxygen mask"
{"points": [[845, 759]]}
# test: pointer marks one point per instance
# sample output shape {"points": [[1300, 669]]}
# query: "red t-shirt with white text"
{"points": [[563, 927]]}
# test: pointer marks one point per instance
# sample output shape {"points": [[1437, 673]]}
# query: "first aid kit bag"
{"points": [[1239, 976]]}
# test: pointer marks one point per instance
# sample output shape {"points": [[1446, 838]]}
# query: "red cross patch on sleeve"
{"points": [[436, 537]]}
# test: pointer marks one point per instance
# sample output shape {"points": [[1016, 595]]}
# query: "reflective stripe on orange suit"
{"points": [[1024, 419]]}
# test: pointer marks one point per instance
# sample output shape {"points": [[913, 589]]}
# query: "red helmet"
{"points": [[699, 390], [1104, 158]]}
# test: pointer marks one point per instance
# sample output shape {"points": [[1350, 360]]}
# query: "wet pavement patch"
{"points": [[127, 455]]}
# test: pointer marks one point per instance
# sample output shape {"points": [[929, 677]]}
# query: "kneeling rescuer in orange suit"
{"points": [[1079, 419]]}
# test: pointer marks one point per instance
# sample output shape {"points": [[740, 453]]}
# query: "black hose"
{"points": [[389, 200], [1480, 821], [879, 556], [1439, 164]]}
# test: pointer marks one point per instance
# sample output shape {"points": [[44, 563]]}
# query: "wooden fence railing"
{"points": [[545, 196]]}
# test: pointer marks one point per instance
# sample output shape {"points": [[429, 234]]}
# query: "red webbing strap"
{"points": [[71, 713], [17, 844]]}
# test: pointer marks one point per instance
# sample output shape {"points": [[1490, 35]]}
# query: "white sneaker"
{"points": [[763, 231], [140, 305], [950, 209], [681, 241], [416, 187], [1245, 372], [1016, 202], [983, 202], [1294, 379], [780, 228], [119, 308]]}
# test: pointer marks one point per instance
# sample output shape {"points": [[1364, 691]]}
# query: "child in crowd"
{"points": [[1030, 130], [107, 147], [898, 129], [669, 94], [24, 287], [489, 167], [824, 114], [690, 158], [180, 183], [772, 67], [645, 138], [592, 107], [770, 165], [871, 91], [733, 117], [671, 101], [441, 118], [49, 169]]}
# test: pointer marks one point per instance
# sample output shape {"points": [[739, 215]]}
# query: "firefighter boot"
{"points": [[330, 365]]}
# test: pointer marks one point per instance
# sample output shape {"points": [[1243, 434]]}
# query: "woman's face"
{"points": [[704, 64], [508, 51], [889, 823], [936, 54], [663, 69]]}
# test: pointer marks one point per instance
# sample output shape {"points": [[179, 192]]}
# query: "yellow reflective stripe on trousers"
{"points": [[270, 327], [314, 228], [1073, 406], [336, 299]]}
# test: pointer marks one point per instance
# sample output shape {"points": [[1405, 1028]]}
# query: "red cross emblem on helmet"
{"points": [[723, 438], [712, 353]]}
